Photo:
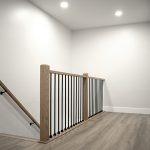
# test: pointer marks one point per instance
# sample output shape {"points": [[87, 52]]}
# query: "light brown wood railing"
{"points": [[45, 98], [18, 103]]}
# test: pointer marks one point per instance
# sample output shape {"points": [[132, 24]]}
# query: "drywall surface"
{"points": [[28, 38], [14, 121], [121, 55]]}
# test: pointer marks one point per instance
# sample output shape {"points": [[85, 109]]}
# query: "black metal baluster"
{"points": [[65, 103], [54, 104], [95, 96], [92, 97], [68, 102], [80, 99], [76, 98], [50, 103], [62, 105], [71, 101], [58, 106], [98, 96], [89, 98], [102, 94]]}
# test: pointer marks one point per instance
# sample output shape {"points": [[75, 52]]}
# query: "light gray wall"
{"points": [[120, 54], [28, 38]]}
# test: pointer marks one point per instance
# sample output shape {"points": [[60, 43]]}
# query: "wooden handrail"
{"points": [[65, 73], [78, 87], [18, 103], [97, 78], [72, 74]]}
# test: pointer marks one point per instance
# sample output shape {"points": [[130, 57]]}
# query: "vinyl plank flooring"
{"points": [[105, 131]]}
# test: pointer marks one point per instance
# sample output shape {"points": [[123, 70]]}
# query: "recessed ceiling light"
{"points": [[118, 13], [64, 4]]}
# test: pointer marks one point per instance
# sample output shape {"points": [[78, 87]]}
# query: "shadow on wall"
{"points": [[15, 122], [106, 97]]}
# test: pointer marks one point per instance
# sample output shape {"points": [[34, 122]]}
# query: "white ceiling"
{"points": [[83, 14]]}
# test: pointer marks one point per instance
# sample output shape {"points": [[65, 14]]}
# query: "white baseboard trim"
{"points": [[127, 110]]}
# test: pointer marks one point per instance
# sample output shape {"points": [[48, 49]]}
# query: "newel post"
{"points": [[85, 96], [44, 102]]}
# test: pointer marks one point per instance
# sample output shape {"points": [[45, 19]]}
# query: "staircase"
{"points": [[67, 100]]}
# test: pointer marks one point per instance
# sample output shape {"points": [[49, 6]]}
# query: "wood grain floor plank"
{"points": [[105, 131]]}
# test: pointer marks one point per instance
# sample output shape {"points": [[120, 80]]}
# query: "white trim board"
{"points": [[127, 110]]}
